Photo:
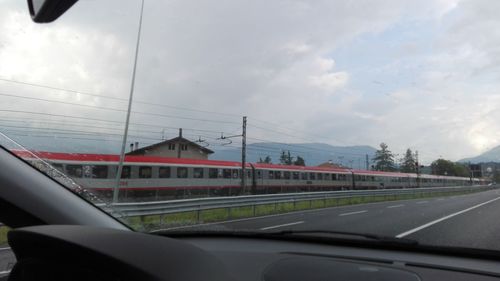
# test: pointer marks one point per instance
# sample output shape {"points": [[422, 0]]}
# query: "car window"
{"points": [[370, 117]]}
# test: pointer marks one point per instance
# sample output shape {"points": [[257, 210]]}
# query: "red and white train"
{"points": [[160, 178]]}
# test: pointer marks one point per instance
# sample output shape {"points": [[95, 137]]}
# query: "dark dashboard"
{"points": [[90, 253]]}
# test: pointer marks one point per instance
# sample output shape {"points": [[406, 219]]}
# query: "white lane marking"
{"points": [[395, 206], [406, 233], [5, 249], [352, 213], [281, 225], [422, 202], [5, 272], [440, 199]]}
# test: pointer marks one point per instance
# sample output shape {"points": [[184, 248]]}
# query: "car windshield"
{"points": [[368, 117]]}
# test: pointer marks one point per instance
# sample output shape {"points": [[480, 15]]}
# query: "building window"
{"points": [[164, 172], [145, 172], [182, 172], [213, 173], [277, 175], [198, 173], [125, 172], [312, 176], [74, 171], [326, 177], [295, 175], [286, 175], [320, 176], [271, 175], [100, 172], [171, 146], [334, 177], [184, 146], [303, 176]]}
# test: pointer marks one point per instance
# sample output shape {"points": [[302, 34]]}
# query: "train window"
{"points": [[197, 173], [182, 172], [303, 176], [271, 175], [295, 175], [286, 175], [164, 172], [145, 172], [59, 167], [171, 146], [125, 172], [75, 171], [312, 176], [100, 172], [235, 174], [213, 173], [226, 173], [320, 176]]}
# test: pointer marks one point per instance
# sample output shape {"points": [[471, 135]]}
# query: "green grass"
{"points": [[3, 235], [222, 214]]}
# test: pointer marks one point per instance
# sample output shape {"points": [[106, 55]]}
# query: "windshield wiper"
{"points": [[331, 234], [380, 238]]}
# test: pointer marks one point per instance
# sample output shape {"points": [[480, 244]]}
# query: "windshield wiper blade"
{"points": [[381, 238]]}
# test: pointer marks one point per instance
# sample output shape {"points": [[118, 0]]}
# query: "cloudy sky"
{"points": [[417, 74]]}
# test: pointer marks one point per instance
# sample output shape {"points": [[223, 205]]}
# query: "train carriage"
{"points": [[146, 178]]}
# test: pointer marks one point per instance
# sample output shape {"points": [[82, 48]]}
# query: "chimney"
{"points": [[136, 145], [131, 147], [180, 132]]}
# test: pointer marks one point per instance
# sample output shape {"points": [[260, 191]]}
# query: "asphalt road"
{"points": [[471, 220]]}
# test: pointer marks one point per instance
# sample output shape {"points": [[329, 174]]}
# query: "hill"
{"points": [[492, 155]]}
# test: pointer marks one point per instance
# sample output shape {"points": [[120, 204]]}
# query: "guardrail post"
{"points": [[198, 214]]}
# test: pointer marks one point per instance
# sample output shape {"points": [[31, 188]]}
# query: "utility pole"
{"points": [[243, 150], [243, 153], [417, 168], [129, 110], [367, 163]]}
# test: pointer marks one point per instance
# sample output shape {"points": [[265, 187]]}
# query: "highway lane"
{"points": [[466, 220]]}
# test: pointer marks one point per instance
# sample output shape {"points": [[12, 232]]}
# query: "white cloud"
{"points": [[272, 60]]}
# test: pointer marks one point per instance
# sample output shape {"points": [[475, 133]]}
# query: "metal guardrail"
{"points": [[209, 203]]}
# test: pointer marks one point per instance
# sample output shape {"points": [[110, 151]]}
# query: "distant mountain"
{"points": [[313, 153], [492, 155]]}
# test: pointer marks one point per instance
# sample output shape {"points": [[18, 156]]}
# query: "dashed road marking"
{"points": [[395, 206], [352, 213], [422, 202], [282, 225]]}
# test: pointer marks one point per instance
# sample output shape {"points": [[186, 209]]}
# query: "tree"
{"points": [[408, 164], [266, 160], [299, 162], [286, 158], [384, 159], [448, 168]]}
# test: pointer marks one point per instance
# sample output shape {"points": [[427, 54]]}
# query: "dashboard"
{"points": [[56, 252]]}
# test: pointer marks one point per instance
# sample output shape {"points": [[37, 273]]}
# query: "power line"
{"points": [[119, 110], [119, 99]]}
